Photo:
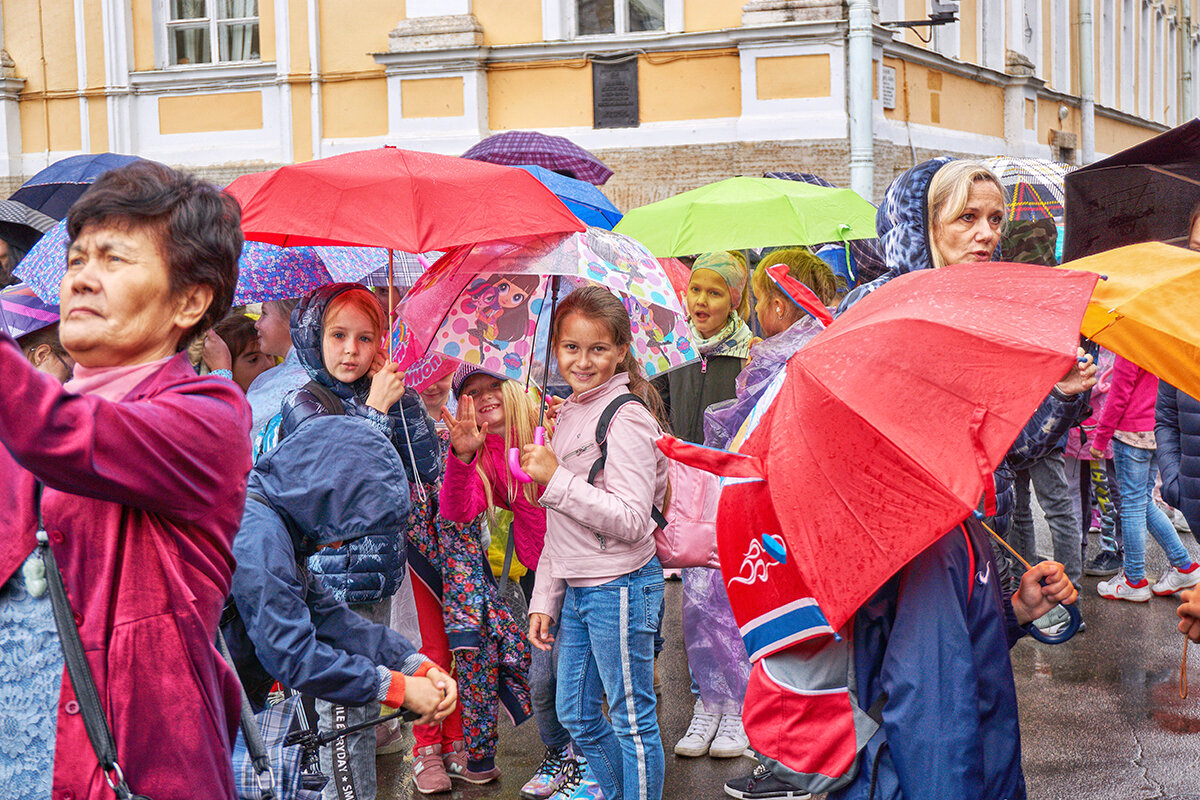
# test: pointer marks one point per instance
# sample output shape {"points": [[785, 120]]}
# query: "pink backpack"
{"points": [[687, 534]]}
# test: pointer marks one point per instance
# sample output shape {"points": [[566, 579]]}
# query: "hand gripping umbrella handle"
{"points": [[1073, 622], [514, 456]]}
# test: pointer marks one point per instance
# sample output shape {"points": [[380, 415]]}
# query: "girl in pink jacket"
{"points": [[599, 575], [493, 415]]}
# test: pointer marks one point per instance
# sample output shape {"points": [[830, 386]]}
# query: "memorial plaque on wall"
{"points": [[615, 94]]}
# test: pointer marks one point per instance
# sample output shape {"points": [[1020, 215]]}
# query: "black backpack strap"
{"points": [[328, 400], [602, 426]]}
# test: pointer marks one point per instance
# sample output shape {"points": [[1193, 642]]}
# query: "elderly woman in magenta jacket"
{"points": [[144, 465]]}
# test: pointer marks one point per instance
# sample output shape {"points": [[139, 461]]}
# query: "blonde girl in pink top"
{"points": [[599, 575]]}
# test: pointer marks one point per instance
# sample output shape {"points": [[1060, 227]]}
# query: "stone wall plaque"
{"points": [[615, 93]]}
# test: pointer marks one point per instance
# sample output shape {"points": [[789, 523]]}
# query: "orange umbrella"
{"points": [[1146, 309]]}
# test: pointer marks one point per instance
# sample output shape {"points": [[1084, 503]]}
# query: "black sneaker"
{"points": [[1104, 565], [762, 785]]}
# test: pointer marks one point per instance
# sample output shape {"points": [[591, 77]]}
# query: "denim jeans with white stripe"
{"points": [[606, 648]]}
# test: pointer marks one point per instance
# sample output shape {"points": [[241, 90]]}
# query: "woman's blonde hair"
{"points": [[805, 267], [521, 411], [948, 191]]}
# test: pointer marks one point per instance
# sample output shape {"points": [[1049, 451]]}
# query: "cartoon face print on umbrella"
{"points": [[660, 337], [501, 307], [492, 323]]}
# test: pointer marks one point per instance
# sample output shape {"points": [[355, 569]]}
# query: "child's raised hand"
{"points": [[539, 462], [539, 631], [1189, 614], [387, 387], [466, 435]]}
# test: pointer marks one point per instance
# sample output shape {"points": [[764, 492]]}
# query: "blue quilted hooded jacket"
{"points": [[902, 223], [368, 569]]}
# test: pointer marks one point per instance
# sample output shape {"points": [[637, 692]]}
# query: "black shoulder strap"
{"points": [[328, 400], [602, 426], [80, 673]]}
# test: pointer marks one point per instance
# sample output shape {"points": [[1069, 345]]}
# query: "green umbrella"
{"points": [[747, 212]]}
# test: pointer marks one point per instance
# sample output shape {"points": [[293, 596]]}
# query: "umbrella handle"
{"points": [[514, 456], [1075, 618]]}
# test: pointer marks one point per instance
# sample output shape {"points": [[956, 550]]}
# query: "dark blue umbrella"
{"points": [[582, 198], [53, 190]]}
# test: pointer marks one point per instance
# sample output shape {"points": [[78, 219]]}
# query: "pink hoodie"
{"points": [[595, 534], [1130, 403], [462, 499]]}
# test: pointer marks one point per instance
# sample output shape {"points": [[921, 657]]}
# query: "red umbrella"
{"points": [[882, 435], [399, 199]]}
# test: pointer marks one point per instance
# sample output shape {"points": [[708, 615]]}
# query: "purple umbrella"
{"points": [[555, 153]]}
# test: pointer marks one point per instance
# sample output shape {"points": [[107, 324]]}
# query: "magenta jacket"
{"points": [[1130, 403], [595, 534], [142, 502], [461, 498]]}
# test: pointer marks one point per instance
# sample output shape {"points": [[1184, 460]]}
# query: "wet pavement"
{"points": [[1101, 715]]}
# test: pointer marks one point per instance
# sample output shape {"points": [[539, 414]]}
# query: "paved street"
{"points": [[1101, 716]]}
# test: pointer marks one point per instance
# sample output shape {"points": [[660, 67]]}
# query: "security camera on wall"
{"points": [[940, 8]]}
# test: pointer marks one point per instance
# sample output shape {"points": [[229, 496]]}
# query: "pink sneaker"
{"points": [[429, 773], [456, 766]]}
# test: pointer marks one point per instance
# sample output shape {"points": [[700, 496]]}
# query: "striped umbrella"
{"points": [[1033, 186], [22, 311]]}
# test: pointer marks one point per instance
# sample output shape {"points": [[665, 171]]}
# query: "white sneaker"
{"points": [[699, 734], [1176, 580], [1119, 588], [730, 741]]}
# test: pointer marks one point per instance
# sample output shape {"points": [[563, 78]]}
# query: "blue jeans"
{"points": [[1135, 474], [606, 647]]}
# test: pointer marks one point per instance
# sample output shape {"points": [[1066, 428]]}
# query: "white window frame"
{"points": [[1145, 72], [559, 22], [1128, 55], [1108, 44], [163, 26], [1061, 51]]}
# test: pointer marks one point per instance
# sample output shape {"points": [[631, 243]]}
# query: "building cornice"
{"points": [[583, 48], [195, 79]]}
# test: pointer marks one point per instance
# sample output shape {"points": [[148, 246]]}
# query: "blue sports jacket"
{"points": [[288, 625], [935, 638]]}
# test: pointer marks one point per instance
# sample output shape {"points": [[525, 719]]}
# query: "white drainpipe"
{"points": [[1087, 83], [860, 99]]}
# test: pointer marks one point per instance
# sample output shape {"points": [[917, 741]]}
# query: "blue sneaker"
{"points": [[549, 774]]}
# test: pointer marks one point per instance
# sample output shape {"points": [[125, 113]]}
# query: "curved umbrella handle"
{"points": [[514, 456], [1073, 623]]}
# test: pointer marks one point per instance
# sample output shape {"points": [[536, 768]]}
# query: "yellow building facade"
{"points": [[670, 93]]}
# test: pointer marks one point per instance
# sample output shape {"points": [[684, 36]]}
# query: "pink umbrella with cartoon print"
{"points": [[490, 304]]}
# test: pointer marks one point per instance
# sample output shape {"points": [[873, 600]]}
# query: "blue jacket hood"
{"points": [[902, 220], [322, 495], [308, 329]]}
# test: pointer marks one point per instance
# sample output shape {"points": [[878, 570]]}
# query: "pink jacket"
{"points": [[462, 499], [595, 534], [1130, 403], [143, 499]]}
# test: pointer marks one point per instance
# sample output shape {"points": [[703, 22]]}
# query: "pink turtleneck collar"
{"points": [[112, 383]]}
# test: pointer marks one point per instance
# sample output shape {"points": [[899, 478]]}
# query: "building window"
{"points": [[211, 31], [594, 17]]}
